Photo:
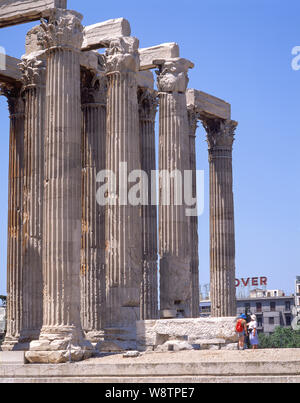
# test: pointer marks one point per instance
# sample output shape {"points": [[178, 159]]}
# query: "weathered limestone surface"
{"points": [[145, 79], [15, 217], [12, 73], [194, 239], [2, 320], [62, 332], [34, 43], [163, 51], [123, 220], [148, 103], [174, 237], [94, 269], [99, 35], [215, 333], [12, 358], [220, 137], [267, 366], [14, 12], [34, 91], [208, 105], [93, 103]]}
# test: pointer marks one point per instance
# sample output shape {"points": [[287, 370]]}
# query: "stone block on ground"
{"points": [[131, 354], [206, 332]]}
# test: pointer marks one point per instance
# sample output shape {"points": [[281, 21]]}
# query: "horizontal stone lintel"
{"points": [[145, 79], [13, 12], [99, 35], [164, 51], [208, 105], [12, 71]]}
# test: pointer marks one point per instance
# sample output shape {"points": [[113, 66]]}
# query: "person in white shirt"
{"points": [[253, 334]]}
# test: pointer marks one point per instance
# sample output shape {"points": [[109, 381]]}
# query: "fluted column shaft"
{"points": [[14, 309], [220, 136], [34, 93], [147, 112], [174, 236], [92, 275], [62, 329], [62, 191], [123, 220], [194, 239]]}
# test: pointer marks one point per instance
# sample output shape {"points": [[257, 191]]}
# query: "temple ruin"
{"points": [[80, 274]]}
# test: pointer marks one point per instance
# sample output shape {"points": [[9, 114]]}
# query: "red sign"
{"points": [[252, 282]]}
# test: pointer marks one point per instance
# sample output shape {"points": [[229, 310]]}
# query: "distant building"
{"points": [[297, 294], [271, 310], [2, 320], [258, 293], [271, 307]]}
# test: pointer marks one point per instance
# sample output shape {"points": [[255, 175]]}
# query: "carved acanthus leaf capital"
{"points": [[14, 98], [220, 133], [93, 87], [122, 55], [172, 75], [148, 103], [63, 29], [194, 117], [33, 70]]}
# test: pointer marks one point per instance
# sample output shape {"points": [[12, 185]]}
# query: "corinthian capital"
{"points": [[33, 69], [14, 98], [148, 103], [122, 55], [220, 133], [93, 87], [172, 75], [63, 29], [194, 117]]}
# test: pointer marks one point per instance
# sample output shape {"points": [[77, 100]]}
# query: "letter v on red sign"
{"points": [[246, 283]]}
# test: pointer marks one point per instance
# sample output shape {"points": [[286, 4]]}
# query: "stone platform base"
{"points": [[117, 340], [260, 366], [187, 334]]}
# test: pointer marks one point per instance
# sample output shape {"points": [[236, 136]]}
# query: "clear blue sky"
{"points": [[242, 52]]}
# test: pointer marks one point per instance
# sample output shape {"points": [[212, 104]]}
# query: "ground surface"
{"points": [[262, 366], [203, 356]]}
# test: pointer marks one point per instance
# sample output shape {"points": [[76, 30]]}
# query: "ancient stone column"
{"points": [[220, 137], [34, 90], [147, 111], [123, 220], [194, 240], [15, 216], [93, 103], [62, 333], [174, 159]]}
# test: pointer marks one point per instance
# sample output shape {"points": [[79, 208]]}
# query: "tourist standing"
{"points": [[253, 334], [242, 331]]}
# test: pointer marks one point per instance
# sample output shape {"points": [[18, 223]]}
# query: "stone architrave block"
{"points": [[99, 35], [12, 70], [145, 79], [208, 105], [163, 51], [13, 12]]}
